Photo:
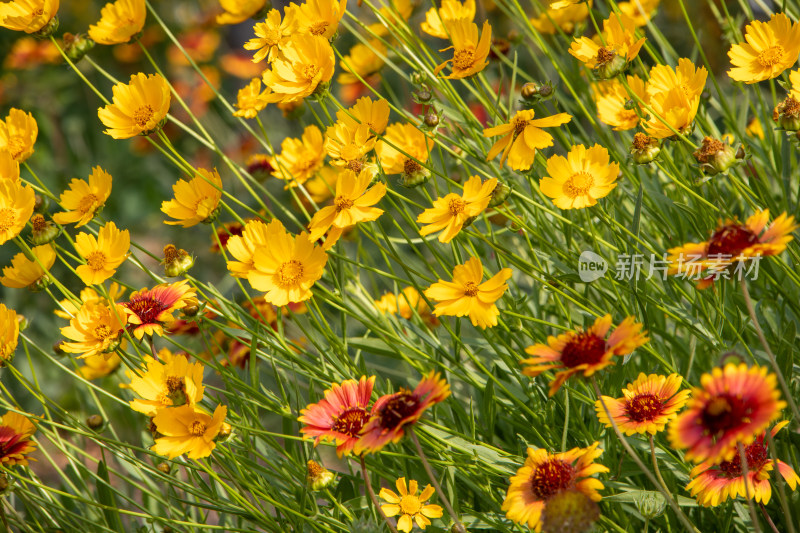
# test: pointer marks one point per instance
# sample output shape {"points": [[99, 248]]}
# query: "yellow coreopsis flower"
{"points": [[406, 303], [395, 14], [169, 381], [320, 17], [250, 100], [102, 254], [674, 96], [83, 200], [467, 296], [271, 34], [618, 46], [242, 247], [187, 430], [771, 48], [9, 333], [410, 507], [612, 100], [348, 147], [27, 273], [522, 136], [452, 211], [18, 134], [96, 329], [299, 158], [9, 167], [449, 11], [99, 366], [16, 207], [470, 52], [351, 205], [29, 16], [363, 61], [564, 19], [196, 200], [578, 180], [374, 114], [236, 11], [305, 62], [400, 139], [119, 21], [794, 80], [641, 11], [139, 106]]}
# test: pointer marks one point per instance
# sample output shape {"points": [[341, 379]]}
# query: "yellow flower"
{"points": [[771, 48], [352, 204], [578, 180], [563, 19], [243, 247], [405, 303], [103, 255], [299, 158], [195, 201], [348, 146], [119, 21], [69, 308], [18, 134], [9, 167], [33, 274], [611, 98], [304, 62], [641, 11], [453, 210], [99, 366], [84, 200], [9, 333], [373, 114], [391, 16], [322, 186], [168, 382], [674, 96], [271, 35], [469, 51], [522, 136], [139, 106], [363, 61], [319, 17], [467, 296], [16, 443], [236, 11], [29, 16], [96, 329], [450, 10], [405, 138], [16, 208], [620, 46], [250, 100], [287, 268], [755, 128], [187, 430], [794, 80], [409, 506]]}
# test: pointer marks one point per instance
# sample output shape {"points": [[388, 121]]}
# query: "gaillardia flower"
{"points": [[732, 405], [15, 439], [647, 405], [196, 200], [119, 21], [469, 50], [451, 212], [340, 415], [409, 506], [16, 207], [618, 48], [771, 48], [9, 325], [521, 137], [27, 273], [29, 16], [96, 329], [170, 381], [187, 430], [578, 180], [149, 310], [545, 476], [103, 254], [583, 351], [139, 106], [18, 132], [83, 200]]}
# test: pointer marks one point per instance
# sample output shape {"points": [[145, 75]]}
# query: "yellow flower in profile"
{"points": [[18, 134], [299, 158], [351, 205], [470, 51], [319, 17], [250, 100], [305, 62], [564, 19], [16, 431], [196, 200], [99, 366], [448, 12], [27, 273], [362, 61], [119, 21], [16, 208], [347, 146], [236, 11], [187, 430], [9, 167], [522, 136], [103, 254], [243, 247], [29, 16], [641, 11], [9, 333], [96, 329], [139, 106], [674, 96], [467, 296], [287, 268], [409, 506], [169, 381], [612, 98], [453, 210], [400, 139], [374, 114], [617, 48], [771, 48], [83, 201], [794, 82], [271, 34], [578, 180], [405, 303]]}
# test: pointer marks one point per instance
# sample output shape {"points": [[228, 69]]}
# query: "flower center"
{"points": [[519, 125], [605, 56], [731, 240], [470, 289], [756, 455], [197, 429], [356, 165], [102, 331], [146, 308], [318, 28], [411, 167], [310, 71], [8, 217], [343, 203], [644, 407], [10, 441], [350, 421], [723, 413], [290, 273], [38, 222], [88, 203], [550, 478], [400, 406], [38, 12], [583, 349], [708, 149], [578, 184], [456, 206], [410, 505], [16, 146], [771, 56], [143, 115], [175, 383], [464, 58], [96, 260], [641, 141]]}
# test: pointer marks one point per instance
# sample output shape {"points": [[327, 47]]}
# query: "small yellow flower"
{"points": [[99, 366], [250, 100], [641, 11], [755, 128], [9, 333], [9, 167], [300, 158], [564, 19], [96, 329], [348, 146], [169, 381], [26, 273], [522, 136], [618, 46], [362, 61], [119, 21], [612, 99], [674, 96], [243, 247], [187, 430], [470, 52], [320, 17], [771, 48], [305, 62], [103, 254], [578, 180], [453, 210], [138, 108], [374, 114], [196, 200], [29, 16], [271, 35], [410, 140], [18, 134], [794, 81], [16, 208], [449, 11], [405, 303], [236, 11], [409, 506], [84, 200]]}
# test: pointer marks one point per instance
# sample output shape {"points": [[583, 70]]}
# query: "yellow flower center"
{"points": [[39, 223], [464, 58], [8, 217], [272, 37], [456, 206], [16, 145], [143, 115], [96, 260], [102, 331], [310, 71], [771, 56], [343, 203], [470, 289], [578, 184], [174, 383], [197, 429], [410, 505], [290, 273], [356, 165], [318, 28], [88, 203]]}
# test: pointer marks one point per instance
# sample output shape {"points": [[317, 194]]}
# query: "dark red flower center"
{"points": [[550, 478], [731, 239], [146, 308], [402, 405], [644, 407], [756, 454], [10, 442], [584, 348], [350, 421], [723, 413]]}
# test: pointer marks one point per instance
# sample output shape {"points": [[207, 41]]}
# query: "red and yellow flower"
{"points": [[647, 406], [15, 439], [149, 310]]}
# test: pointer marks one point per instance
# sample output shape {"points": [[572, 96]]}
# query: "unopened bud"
{"points": [[41, 204], [318, 477], [422, 96], [650, 505], [431, 120], [533, 92], [164, 467], [499, 194], [176, 261], [191, 310], [417, 78], [77, 45], [95, 421], [225, 432], [644, 148], [787, 114], [715, 156]]}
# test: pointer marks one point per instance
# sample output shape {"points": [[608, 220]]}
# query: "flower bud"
{"points": [[77, 45], [47, 30], [417, 78], [423, 96], [318, 477], [650, 505], [414, 174], [44, 231], [715, 156], [569, 511], [321, 91], [787, 114], [644, 149], [225, 432], [431, 119], [514, 36], [176, 261], [164, 467], [95, 421], [41, 204], [499, 194]]}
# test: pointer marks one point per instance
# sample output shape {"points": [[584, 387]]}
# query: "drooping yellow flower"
{"points": [[374, 114], [467, 296], [410, 140], [352, 204], [362, 61], [15, 439], [771, 48], [242, 247], [299, 158], [103, 254], [139, 106], [119, 21], [347, 146], [99, 366], [578, 180], [287, 268], [187, 430], [96, 329], [522, 136], [409, 506], [470, 51], [83, 201], [236, 11], [448, 12], [9, 167], [29, 16], [319, 17], [250, 100], [674, 96], [149, 310], [405, 303], [169, 381], [453, 210], [617, 47], [305, 62], [272, 34], [564, 19], [27, 273], [18, 134], [9, 333], [641, 11], [612, 100], [16, 208], [196, 200]]}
